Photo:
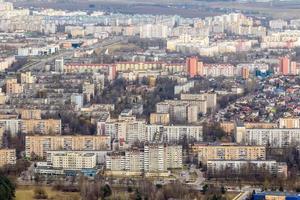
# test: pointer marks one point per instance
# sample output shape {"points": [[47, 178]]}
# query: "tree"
{"points": [[7, 188], [105, 191], [204, 188]]}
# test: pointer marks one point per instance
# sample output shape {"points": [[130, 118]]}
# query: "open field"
{"points": [[27, 193], [186, 8]]}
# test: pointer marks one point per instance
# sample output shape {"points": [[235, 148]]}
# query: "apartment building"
{"points": [[125, 128], [237, 166], [134, 160], [160, 118], [178, 132], [211, 98], [39, 144], [74, 160], [289, 122], [182, 111], [43, 126], [30, 113], [100, 154], [7, 157], [13, 87], [229, 127], [160, 157], [214, 70], [228, 151], [276, 137], [27, 78], [153, 158], [115, 161], [174, 133], [11, 125]]}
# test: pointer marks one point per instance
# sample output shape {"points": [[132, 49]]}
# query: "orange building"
{"points": [[192, 65], [245, 73], [284, 66]]}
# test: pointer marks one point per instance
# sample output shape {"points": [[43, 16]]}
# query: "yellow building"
{"points": [[260, 125], [228, 127], [7, 157], [228, 151], [27, 78], [160, 118], [13, 87], [43, 126], [289, 122], [30, 113], [39, 144]]}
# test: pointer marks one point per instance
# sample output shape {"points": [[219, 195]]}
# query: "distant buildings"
{"points": [[72, 160], [39, 145], [228, 151], [275, 137], [240, 166], [154, 158]]}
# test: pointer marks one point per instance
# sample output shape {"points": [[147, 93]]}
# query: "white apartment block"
{"points": [[276, 138], [134, 160], [72, 160], [115, 161], [174, 133], [100, 155], [211, 98], [128, 130], [153, 158], [160, 157], [215, 166], [154, 31]]}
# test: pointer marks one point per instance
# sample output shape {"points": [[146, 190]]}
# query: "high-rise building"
{"points": [[284, 65], [192, 65], [59, 65]]}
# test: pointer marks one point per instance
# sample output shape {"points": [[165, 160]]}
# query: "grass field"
{"points": [[27, 193]]}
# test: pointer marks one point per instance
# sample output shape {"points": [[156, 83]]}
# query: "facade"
{"points": [[276, 137], [211, 98], [100, 155], [30, 113], [174, 133], [284, 66], [43, 126], [192, 64], [159, 157], [13, 87], [27, 78], [7, 157], [126, 129], [237, 166], [289, 122], [155, 158], [38, 145], [72, 160], [160, 118], [228, 151]]}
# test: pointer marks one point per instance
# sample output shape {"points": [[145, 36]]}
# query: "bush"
{"points": [[40, 193]]}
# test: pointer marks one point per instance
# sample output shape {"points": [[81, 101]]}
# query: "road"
{"points": [[67, 54]]}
